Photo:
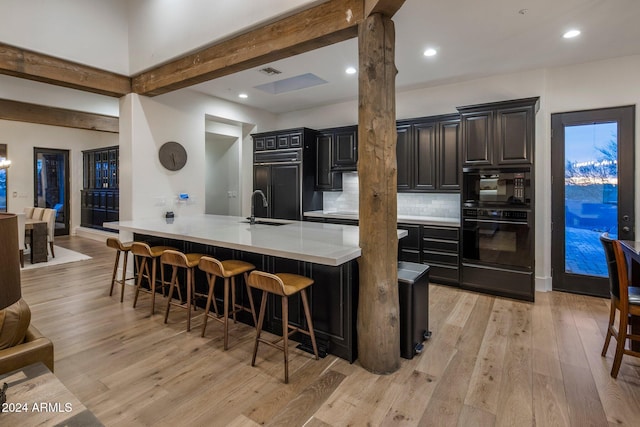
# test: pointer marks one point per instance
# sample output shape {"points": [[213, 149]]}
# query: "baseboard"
{"points": [[543, 284], [92, 233]]}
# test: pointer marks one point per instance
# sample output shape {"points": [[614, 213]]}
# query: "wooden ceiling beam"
{"points": [[34, 113], [386, 8], [31, 65], [330, 22]]}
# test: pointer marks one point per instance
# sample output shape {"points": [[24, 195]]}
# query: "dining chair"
{"points": [[624, 298], [37, 213], [49, 216]]}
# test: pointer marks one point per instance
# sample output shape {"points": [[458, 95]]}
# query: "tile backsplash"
{"points": [[444, 205]]}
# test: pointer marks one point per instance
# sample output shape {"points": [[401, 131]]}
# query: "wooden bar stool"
{"points": [[177, 259], [143, 253], [228, 270], [124, 249], [284, 285]]}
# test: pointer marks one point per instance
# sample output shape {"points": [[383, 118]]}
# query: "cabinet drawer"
{"points": [[295, 140], [412, 240], [409, 255], [443, 274], [440, 245], [439, 258], [259, 144], [440, 233]]}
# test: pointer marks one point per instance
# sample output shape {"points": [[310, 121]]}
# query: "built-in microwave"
{"points": [[497, 187]]}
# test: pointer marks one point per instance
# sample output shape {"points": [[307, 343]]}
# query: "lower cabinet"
{"points": [[98, 206], [333, 297], [441, 250], [433, 245]]}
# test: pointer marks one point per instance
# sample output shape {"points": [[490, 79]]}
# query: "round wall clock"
{"points": [[172, 155]]}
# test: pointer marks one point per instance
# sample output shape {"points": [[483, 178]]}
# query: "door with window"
{"points": [[51, 184], [592, 166]]}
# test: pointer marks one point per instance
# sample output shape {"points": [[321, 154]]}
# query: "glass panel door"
{"points": [[592, 193], [51, 182]]}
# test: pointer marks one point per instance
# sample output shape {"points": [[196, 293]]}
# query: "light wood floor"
{"points": [[491, 361]]}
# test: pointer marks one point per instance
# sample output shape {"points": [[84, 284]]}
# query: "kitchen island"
{"points": [[325, 252]]}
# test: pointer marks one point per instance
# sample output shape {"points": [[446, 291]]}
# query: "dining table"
{"points": [[631, 250], [38, 239]]}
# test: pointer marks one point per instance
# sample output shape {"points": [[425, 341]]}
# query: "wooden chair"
{"points": [[283, 285], [189, 262], [143, 253], [121, 249], [624, 298], [228, 270], [49, 215]]}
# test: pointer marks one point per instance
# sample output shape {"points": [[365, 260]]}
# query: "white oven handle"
{"points": [[495, 221]]}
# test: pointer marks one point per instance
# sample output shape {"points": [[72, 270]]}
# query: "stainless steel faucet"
{"points": [[252, 220]]}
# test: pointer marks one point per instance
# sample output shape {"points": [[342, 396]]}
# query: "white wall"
{"points": [[89, 32], [162, 30], [146, 123], [222, 175], [21, 138], [599, 84]]}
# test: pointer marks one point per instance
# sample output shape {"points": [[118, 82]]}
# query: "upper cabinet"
{"points": [[336, 152], [499, 134], [428, 154], [278, 140]]}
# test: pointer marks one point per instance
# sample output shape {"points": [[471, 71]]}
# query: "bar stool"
{"points": [[228, 269], [177, 259], [143, 253], [121, 248], [284, 285]]}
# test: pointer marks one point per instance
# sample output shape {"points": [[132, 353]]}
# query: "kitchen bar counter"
{"points": [[327, 244], [405, 219], [327, 253]]}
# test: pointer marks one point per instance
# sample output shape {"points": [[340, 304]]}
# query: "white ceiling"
{"points": [[474, 38]]}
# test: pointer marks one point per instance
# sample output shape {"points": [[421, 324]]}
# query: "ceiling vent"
{"points": [[270, 71], [292, 83]]}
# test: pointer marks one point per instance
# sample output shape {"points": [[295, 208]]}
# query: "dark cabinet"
{"points": [[409, 247], [336, 152], [500, 133], [99, 198], [326, 179], [285, 170], [345, 149], [441, 251], [427, 154]]}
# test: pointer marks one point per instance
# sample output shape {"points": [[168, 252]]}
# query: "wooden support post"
{"points": [[378, 307]]}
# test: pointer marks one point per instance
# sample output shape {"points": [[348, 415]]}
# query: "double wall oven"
{"points": [[497, 231]]}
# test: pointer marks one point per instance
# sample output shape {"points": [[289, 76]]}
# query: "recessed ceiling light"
{"points": [[571, 34], [430, 52], [243, 96], [350, 70]]}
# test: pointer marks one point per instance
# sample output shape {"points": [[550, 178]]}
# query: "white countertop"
{"points": [[320, 243], [407, 219]]}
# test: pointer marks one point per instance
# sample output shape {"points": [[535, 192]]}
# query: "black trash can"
{"points": [[413, 292]]}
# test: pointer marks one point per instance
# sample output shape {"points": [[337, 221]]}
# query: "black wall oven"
{"points": [[497, 187], [498, 232], [497, 237]]}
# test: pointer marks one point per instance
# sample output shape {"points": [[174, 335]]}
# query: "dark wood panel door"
{"points": [[345, 153], [425, 156], [514, 135], [404, 157], [324, 176], [261, 181], [449, 171], [285, 197], [477, 138]]}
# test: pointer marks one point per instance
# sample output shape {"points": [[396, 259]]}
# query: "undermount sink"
{"points": [[264, 222]]}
